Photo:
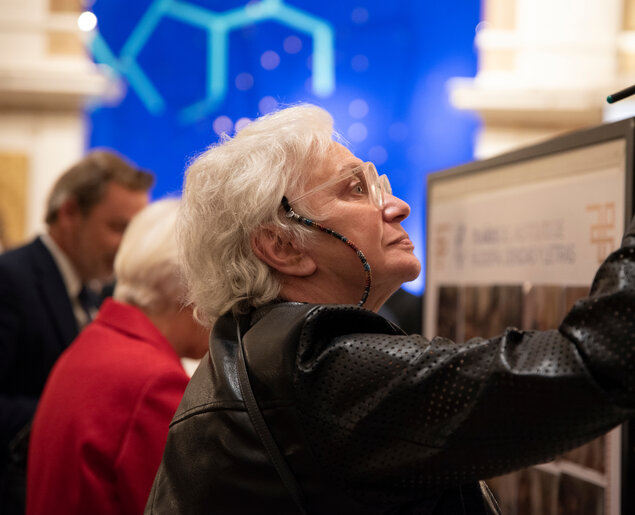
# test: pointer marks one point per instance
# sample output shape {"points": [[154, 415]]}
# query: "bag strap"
{"points": [[258, 421]]}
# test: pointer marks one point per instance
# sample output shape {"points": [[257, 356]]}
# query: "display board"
{"points": [[514, 241]]}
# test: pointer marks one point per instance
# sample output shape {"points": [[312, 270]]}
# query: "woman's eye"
{"points": [[359, 188]]}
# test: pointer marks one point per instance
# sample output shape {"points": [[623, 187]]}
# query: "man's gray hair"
{"points": [[86, 181], [236, 187], [147, 264]]}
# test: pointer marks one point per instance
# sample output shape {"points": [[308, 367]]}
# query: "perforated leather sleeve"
{"points": [[393, 416]]}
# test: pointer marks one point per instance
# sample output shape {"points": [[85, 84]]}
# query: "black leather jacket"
{"points": [[373, 421]]}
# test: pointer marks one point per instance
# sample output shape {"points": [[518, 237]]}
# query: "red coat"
{"points": [[102, 422]]}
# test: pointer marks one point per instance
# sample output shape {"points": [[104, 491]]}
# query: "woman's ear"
{"points": [[277, 250]]}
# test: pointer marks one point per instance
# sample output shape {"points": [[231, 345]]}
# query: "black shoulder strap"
{"points": [[262, 429]]}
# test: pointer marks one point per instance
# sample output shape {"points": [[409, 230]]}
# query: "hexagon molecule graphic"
{"points": [[218, 26]]}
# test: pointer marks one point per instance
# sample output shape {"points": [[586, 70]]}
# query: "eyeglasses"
{"points": [[375, 186]]}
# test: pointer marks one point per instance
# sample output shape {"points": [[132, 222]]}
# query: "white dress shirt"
{"points": [[71, 279]]}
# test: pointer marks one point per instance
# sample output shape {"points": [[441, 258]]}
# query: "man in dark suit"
{"points": [[45, 294]]}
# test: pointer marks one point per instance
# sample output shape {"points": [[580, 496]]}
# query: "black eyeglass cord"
{"points": [[290, 213]]}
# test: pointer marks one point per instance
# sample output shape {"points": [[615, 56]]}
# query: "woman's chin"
{"points": [[407, 270], [412, 269]]}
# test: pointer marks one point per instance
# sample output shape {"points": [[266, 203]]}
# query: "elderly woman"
{"points": [[102, 422], [310, 402]]}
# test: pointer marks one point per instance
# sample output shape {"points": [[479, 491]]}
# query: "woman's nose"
{"points": [[395, 209]]}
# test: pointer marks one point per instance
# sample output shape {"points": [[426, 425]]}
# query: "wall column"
{"points": [[545, 67]]}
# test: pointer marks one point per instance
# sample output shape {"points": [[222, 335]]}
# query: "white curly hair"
{"points": [[147, 264], [236, 187]]}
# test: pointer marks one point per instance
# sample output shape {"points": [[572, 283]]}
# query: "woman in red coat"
{"points": [[101, 425]]}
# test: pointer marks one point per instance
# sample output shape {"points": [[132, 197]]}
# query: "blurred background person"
{"points": [[45, 286], [99, 431]]}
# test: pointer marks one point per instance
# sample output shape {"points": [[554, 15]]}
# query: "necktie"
{"points": [[88, 301]]}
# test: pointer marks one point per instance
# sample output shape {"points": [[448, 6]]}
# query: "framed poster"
{"points": [[515, 240]]}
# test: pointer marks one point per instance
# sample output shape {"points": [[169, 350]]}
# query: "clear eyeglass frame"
{"points": [[378, 185]]}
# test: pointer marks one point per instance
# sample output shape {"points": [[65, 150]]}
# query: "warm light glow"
{"points": [[87, 21]]}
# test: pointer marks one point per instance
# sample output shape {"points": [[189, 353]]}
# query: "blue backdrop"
{"points": [[194, 69]]}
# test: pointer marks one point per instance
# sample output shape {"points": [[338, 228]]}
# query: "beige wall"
{"points": [[546, 67], [45, 79]]}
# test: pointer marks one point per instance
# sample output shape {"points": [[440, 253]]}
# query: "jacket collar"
{"points": [[53, 292], [133, 322]]}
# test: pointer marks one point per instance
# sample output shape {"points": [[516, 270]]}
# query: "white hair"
{"points": [[236, 187], [147, 264]]}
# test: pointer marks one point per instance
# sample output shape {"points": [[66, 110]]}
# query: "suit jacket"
{"points": [[101, 424], [36, 324]]}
